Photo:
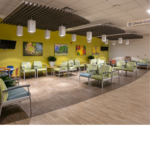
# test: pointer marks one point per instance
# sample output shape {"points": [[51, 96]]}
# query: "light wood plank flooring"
{"points": [[63, 101]]}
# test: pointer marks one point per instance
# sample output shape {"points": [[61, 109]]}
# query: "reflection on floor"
{"points": [[52, 93]]}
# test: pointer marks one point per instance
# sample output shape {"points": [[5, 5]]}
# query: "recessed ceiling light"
{"points": [[148, 11]]}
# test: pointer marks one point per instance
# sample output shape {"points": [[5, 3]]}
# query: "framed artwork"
{"points": [[95, 50], [32, 49], [80, 50], [61, 50]]}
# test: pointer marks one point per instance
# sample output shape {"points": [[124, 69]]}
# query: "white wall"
{"points": [[139, 48]]}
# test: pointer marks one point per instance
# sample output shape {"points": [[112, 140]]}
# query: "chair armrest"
{"points": [[22, 67], [17, 87], [106, 72]]}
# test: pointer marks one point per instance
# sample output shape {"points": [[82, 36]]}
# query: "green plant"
{"points": [[52, 58], [9, 83], [91, 57]]}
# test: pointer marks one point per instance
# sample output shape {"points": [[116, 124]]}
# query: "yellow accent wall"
{"points": [[15, 57]]}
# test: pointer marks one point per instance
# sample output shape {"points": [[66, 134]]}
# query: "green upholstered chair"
{"points": [[105, 73], [91, 69], [71, 66], [13, 95], [26, 68], [93, 61], [119, 65], [101, 62], [144, 62], [39, 67], [78, 65], [131, 67], [63, 68]]}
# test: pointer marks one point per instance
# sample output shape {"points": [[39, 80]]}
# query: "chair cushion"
{"points": [[143, 61], [129, 69], [62, 68], [117, 68], [120, 63], [42, 69], [99, 77], [3, 88], [72, 68], [27, 65], [30, 70], [37, 63], [17, 93], [86, 75], [141, 64]]}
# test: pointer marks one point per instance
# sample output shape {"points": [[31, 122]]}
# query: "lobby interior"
{"points": [[102, 60]]}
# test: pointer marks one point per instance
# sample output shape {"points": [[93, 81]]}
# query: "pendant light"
{"points": [[120, 41], [74, 37], [89, 35], [19, 30], [106, 41], [104, 38], [113, 42], [31, 26], [62, 31], [127, 42], [47, 34], [89, 41]]}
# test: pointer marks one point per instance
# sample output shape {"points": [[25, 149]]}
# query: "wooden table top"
{"points": [[7, 69]]}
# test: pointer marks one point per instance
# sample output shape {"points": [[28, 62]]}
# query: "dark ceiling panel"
{"points": [[124, 36], [46, 17], [97, 30]]}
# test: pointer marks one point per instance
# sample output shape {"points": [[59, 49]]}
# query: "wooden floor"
{"points": [[65, 101]]}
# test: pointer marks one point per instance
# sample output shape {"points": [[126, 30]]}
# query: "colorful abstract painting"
{"points": [[61, 49], [32, 49], [95, 50], [80, 50]]}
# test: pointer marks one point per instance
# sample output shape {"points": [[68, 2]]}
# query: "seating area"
{"points": [[58, 54]]}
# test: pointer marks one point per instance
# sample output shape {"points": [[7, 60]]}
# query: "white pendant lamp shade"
{"points": [[74, 37], [120, 41], [104, 38], [113, 42], [31, 26], [47, 34], [19, 30], [89, 35], [127, 42], [62, 31], [106, 41], [89, 41]]}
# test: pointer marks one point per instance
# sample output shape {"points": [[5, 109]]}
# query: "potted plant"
{"points": [[90, 58], [52, 60], [9, 83]]}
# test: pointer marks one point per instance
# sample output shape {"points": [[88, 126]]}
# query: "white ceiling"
{"points": [[97, 11]]}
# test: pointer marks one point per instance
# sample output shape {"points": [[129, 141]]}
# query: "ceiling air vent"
{"points": [[69, 9]]}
